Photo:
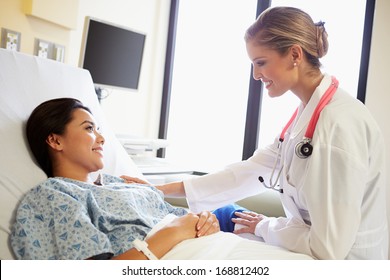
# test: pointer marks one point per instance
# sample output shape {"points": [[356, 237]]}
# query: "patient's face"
{"points": [[82, 144]]}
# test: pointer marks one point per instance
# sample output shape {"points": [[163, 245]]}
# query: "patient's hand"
{"points": [[184, 227], [249, 220], [130, 180], [207, 224]]}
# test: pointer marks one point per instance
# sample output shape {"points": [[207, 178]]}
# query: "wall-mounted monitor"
{"points": [[112, 54]]}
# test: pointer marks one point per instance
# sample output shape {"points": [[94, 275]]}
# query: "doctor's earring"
{"points": [[295, 64]]}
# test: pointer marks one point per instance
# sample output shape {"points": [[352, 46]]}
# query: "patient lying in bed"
{"points": [[69, 216]]}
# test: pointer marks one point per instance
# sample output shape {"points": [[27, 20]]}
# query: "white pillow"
{"points": [[25, 82]]}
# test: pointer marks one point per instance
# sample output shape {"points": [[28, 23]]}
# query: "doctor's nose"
{"points": [[256, 75]]}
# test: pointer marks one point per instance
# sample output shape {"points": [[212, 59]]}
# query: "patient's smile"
{"points": [[99, 150]]}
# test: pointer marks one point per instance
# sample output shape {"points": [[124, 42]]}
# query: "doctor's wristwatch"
{"points": [[142, 246]]}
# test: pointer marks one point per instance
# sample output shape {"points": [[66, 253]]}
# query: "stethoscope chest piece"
{"points": [[304, 149]]}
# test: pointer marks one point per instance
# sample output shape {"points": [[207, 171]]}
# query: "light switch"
{"points": [[58, 53]]}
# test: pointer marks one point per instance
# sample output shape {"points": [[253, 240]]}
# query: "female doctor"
{"points": [[327, 163]]}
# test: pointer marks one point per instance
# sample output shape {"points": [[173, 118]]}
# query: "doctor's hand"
{"points": [[131, 180], [207, 224], [249, 220], [173, 189]]}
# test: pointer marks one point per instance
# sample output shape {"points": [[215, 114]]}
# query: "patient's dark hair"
{"points": [[49, 117]]}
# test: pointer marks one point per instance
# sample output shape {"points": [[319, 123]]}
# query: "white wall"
{"points": [[378, 93], [12, 17]]}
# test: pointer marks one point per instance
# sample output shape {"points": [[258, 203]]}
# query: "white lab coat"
{"points": [[334, 200]]}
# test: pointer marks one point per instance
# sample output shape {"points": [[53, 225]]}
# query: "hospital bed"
{"points": [[25, 82]]}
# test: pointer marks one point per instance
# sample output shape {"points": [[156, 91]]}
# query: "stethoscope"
{"points": [[304, 148]]}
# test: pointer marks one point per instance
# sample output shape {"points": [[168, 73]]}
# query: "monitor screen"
{"points": [[112, 54]]}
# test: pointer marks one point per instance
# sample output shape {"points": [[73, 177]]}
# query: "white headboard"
{"points": [[25, 82]]}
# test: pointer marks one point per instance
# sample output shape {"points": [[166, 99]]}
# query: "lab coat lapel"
{"points": [[295, 135]]}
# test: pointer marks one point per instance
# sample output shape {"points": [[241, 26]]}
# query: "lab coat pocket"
{"points": [[297, 171]]}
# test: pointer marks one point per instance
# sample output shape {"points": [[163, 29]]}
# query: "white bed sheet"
{"points": [[228, 246], [225, 246]]}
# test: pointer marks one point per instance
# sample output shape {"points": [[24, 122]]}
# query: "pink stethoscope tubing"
{"points": [[304, 148], [325, 99]]}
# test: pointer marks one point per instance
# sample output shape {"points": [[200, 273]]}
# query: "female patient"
{"points": [[69, 216]]}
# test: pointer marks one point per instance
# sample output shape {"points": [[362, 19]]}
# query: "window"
{"points": [[209, 83], [212, 122]]}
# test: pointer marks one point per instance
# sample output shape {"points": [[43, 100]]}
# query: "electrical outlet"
{"points": [[10, 39], [42, 48]]}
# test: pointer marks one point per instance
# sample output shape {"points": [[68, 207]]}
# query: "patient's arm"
{"points": [[165, 239], [208, 223]]}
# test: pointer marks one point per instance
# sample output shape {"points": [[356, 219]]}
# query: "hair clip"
{"points": [[320, 23]]}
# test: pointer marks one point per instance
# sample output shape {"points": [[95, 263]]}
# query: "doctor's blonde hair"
{"points": [[279, 28]]}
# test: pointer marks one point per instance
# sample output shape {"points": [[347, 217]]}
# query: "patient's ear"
{"points": [[54, 141]]}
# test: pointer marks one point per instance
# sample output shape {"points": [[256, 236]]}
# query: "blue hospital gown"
{"points": [[67, 219]]}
